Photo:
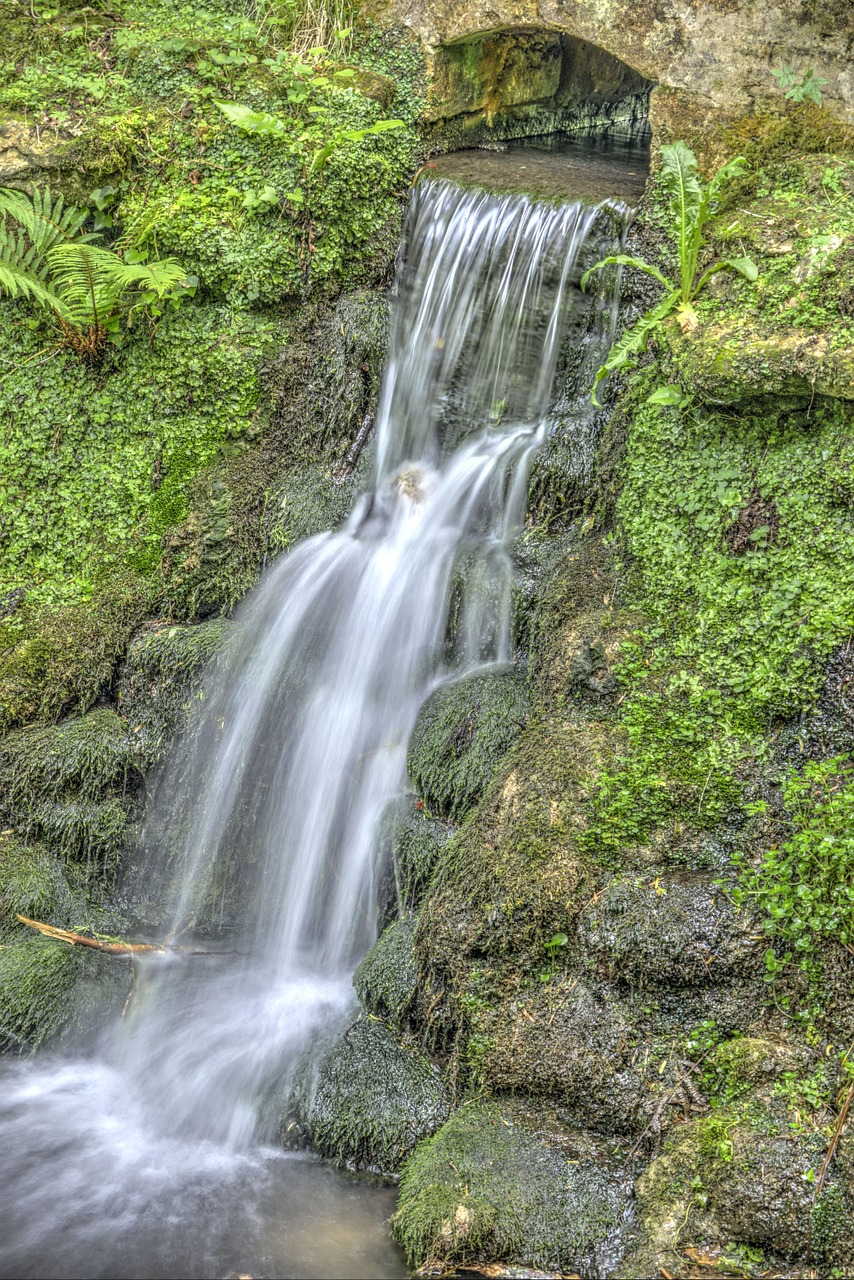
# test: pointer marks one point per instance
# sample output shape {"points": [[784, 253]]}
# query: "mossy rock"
{"points": [[307, 501], [368, 1101], [462, 732], [489, 1189], [386, 979], [50, 991], [737, 1174], [163, 668], [36, 884], [675, 930], [411, 843], [71, 784], [54, 660]]}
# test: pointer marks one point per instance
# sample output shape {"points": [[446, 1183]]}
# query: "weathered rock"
{"points": [[368, 1101], [677, 930], [732, 360], [490, 1188], [462, 731], [726, 1177]]}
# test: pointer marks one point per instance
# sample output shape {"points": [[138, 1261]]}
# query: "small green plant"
{"points": [[322, 142], [48, 259], [809, 87], [552, 947], [691, 204], [804, 885]]}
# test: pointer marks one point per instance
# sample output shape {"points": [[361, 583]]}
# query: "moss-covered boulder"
{"points": [[739, 1175], [51, 992], [462, 731], [72, 785], [386, 979], [489, 1188], [368, 1101], [159, 678]]}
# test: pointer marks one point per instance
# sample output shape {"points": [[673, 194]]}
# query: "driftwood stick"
{"points": [[80, 940]]}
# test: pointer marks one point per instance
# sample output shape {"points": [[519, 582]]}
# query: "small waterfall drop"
{"points": [[266, 818], [305, 727]]}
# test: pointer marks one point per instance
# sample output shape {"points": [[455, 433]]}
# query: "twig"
{"points": [[834, 1141]]}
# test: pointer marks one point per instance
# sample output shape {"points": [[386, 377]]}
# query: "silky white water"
{"points": [[266, 818]]}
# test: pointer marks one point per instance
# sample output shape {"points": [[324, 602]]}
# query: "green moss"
{"points": [[386, 979], [50, 990], [368, 1101], [485, 1189], [160, 678], [462, 731], [740, 626], [69, 784]]}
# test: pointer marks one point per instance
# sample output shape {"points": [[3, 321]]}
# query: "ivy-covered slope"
{"points": [[103, 463]]}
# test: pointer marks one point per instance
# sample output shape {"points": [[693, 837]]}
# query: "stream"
{"points": [[156, 1155]]}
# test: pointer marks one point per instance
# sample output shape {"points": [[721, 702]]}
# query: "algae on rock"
{"points": [[368, 1101], [490, 1188]]}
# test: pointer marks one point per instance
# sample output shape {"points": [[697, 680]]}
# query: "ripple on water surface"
{"points": [[89, 1191]]}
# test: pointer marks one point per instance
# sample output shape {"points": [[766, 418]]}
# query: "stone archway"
{"points": [[528, 80]]}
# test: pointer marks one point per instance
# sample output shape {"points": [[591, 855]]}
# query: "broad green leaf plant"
{"points": [[691, 204], [306, 85], [48, 259]]}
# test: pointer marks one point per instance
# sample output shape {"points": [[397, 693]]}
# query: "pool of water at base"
{"points": [[89, 1192]]}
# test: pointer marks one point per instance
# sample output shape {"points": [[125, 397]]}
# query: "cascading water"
{"points": [[277, 792]]}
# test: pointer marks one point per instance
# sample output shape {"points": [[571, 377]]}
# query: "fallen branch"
{"points": [[80, 940]]}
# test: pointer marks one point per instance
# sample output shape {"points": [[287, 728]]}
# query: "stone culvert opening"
{"points": [[527, 81]]}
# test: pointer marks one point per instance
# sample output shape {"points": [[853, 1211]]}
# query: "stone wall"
{"points": [[708, 62]]}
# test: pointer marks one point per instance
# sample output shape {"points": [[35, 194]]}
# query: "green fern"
{"points": [[692, 203], [47, 259], [91, 282]]}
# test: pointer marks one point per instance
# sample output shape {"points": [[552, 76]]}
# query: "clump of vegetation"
{"points": [[48, 259], [691, 203], [803, 886]]}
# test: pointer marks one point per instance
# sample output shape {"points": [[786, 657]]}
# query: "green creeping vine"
{"points": [[691, 204], [47, 258]]}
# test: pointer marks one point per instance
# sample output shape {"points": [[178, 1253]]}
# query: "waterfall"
{"points": [[272, 800]]}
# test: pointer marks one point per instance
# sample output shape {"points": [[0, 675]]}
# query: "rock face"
{"points": [[706, 60]]}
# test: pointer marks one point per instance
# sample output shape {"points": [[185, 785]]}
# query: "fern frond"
{"points": [[46, 221], [631, 343], [92, 281], [22, 272]]}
